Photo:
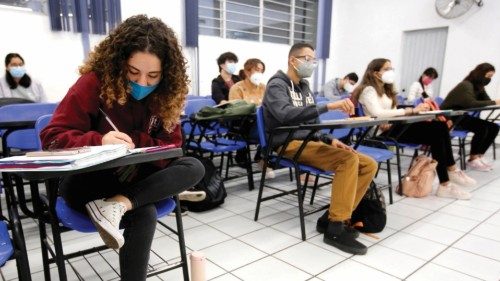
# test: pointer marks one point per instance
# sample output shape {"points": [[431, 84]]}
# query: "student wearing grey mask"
{"points": [[338, 87]]}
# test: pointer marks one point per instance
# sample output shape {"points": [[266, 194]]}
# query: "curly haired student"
{"points": [[137, 76]]}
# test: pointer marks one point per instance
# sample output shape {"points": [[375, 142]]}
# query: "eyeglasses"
{"points": [[308, 58]]}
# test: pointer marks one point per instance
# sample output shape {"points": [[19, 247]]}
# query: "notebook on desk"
{"points": [[435, 111]]}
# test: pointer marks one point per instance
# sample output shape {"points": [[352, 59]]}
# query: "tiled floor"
{"points": [[425, 239]]}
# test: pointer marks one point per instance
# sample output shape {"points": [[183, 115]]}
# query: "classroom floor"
{"points": [[425, 239]]}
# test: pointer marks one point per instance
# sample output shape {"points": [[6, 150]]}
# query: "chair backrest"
{"points": [[41, 123], [334, 115], [6, 247], [261, 128], [25, 139], [321, 99], [193, 106], [400, 99]]}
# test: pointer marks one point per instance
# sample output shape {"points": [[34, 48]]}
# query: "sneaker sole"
{"points": [[193, 196], [346, 249], [109, 234]]}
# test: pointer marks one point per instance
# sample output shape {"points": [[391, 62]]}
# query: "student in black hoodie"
{"points": [[289, 101]]}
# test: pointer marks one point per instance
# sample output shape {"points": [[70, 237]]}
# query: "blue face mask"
{"points": [[17, 71], [139, 92]]}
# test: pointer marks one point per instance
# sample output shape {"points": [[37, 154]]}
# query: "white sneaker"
{"points": [[452, 191], [486, 163], [478, 165], [106, 216], [460, 178]]}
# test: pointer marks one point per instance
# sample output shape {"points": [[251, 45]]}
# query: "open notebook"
{"points": [[71, 160]]}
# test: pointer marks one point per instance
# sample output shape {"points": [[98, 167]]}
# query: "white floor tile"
{"points": [[383, 259], [432, 271], [225, 256], [407, 210], [487, 231], [269, 240], [480, 204], [451, 221], [275, 218], [309, 258], [470, 264], [466, 212], [351, 270], [236, 225], [398, 222], [292, 227], [211, 215], [495, 219], [372, 238], [413, 245], [318, 241], [226, 277], [434, 232], [238, 205], [203, 236], [270, 268], [480, 246], [187, 223], [430, 202]]}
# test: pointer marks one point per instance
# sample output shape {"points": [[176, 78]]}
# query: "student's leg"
{"points": [[140, 226], [484, 131]]}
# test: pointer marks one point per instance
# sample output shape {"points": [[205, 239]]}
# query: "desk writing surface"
{"points": [[123, 161], [408, 119], [344, 123], [483, 108]]}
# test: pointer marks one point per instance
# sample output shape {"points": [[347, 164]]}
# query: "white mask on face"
{"points": [[388, 77], [256, 78], [231, 67], [348, 87]]}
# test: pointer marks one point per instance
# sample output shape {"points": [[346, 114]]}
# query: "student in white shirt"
{"points": [[17, 83], [377, 96], [423, 87]]}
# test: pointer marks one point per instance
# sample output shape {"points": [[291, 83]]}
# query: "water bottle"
{"points": [[197, 266]]}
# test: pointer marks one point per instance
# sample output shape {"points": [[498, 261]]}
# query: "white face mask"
{"points": [[231, 67], [348, 87], [388, 77], [256, 78]]}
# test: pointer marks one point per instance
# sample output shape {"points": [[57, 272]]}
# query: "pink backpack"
{"points": [[418, 181]]}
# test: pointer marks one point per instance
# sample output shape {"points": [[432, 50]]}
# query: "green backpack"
{"points": [[234, 108]]}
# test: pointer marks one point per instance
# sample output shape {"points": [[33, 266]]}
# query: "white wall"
{"points": [[364, 29], [50, 57]]}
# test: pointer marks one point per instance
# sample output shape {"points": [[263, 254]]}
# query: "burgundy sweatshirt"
{"points": [[77, 120]]}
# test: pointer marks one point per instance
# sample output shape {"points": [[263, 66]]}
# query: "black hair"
{"points": [[430, 72], [299, 46], [25, 81], [225, 57], [352, 76], [476, 76]]}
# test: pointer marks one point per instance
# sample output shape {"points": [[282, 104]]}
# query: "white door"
{"points": [[422, 48]]}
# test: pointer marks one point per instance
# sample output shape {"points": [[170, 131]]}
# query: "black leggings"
{"points": [[484, 131], [436, 135], [140, 222]]}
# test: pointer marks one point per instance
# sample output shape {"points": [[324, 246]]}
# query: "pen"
{"points": [[109, 120]]}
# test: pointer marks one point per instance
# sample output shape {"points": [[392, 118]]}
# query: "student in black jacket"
{"points": [[226, 79]]}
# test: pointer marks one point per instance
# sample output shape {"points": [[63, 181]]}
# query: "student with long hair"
{"points": [[17, 83], [470, 93], [137, 76], [377, 96]]}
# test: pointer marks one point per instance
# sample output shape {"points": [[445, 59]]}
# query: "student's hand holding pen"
{"points": [[114, 137]]}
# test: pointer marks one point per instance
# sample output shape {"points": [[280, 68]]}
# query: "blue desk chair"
{"points": [[378, 151], [6, 248], [276, 160], [74, 220]]}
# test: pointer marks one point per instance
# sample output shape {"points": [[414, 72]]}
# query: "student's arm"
{"points": [[413, 92], [217, 94], [370, 100], [465, 98], [158, 137], [279, 105]]}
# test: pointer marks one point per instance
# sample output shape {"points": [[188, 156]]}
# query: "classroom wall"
{"points": [[364, 29]]}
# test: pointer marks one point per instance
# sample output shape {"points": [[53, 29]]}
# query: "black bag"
{"points": [[370, 211], [213, 186]]}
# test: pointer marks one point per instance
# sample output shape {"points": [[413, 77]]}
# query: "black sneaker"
{"points": [[337, 236], [322, 224]]}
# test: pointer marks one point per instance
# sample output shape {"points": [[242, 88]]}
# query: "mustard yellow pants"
{"points": [[353, 174]]}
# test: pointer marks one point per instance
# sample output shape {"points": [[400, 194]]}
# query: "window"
{"points": [[39, 6], [277, 21]]}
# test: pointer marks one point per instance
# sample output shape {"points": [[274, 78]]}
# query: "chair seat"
{"points": [[378, 154], [459, 134], [6, 248], [218, 146], [303, 168], [78, 221]]}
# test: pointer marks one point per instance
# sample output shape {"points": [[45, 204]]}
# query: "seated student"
{"points": [[423, 87], [137, 75], [338, 87], [226, 79], [377, 96], [17, 84], [470, 93], [289, 101], [250, 89]]}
